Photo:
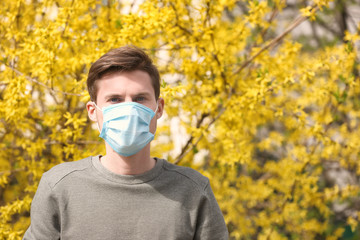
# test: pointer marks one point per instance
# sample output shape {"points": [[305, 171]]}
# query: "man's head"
{"points": [[123, 59], [124, 75]]}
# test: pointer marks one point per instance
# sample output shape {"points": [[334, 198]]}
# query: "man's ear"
{"points": [[160, 109], [91, 109]]}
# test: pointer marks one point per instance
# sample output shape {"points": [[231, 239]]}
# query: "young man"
{"points": [[125, 194]]}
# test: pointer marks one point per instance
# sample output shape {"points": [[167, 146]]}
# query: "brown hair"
{"points": [[123, 59]]}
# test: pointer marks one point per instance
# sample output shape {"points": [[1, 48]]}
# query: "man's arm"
{"points": [[44, 214], [210, 223]]}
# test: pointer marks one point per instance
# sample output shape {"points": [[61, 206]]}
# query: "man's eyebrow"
{"points": [[113, 95]]}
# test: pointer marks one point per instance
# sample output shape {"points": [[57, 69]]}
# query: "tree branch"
{"points": [[40, 83], [186, 151], [272, 43]]}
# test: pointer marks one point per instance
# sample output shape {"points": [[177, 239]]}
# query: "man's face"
{"points": [[121, 87]]}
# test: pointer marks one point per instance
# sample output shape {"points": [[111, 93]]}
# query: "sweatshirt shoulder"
{"points": [[196, 177], [58, 172]]}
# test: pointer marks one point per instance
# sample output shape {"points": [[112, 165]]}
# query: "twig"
{"points": [[40, 83], [184, 151], [12, 171], [294, 24]]}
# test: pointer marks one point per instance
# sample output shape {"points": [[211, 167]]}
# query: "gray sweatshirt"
{"points": [[83, 200]]}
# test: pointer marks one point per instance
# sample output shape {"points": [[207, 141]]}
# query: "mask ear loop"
{"points": [[157, 106], [97, 106], [97, 123]]}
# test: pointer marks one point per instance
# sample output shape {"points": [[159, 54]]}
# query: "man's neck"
{"points": [[133, 165]]}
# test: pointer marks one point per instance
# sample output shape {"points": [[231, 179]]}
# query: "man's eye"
{"points": [[114, 100], [139, 99]]}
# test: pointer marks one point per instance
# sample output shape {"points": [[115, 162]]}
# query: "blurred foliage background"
{"points": [[262, 97]]}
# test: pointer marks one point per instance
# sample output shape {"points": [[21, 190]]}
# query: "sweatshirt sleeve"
{"points": [[44, 214], [210, 223]]}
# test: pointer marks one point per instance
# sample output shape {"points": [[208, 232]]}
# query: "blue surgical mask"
{"points": [[126, 127]]}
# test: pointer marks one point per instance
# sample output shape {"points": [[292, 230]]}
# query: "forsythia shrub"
{"points": [[274, 127]]}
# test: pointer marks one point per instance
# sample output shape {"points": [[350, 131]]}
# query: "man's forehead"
{"points": [[135, 80], [119, 84]]}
